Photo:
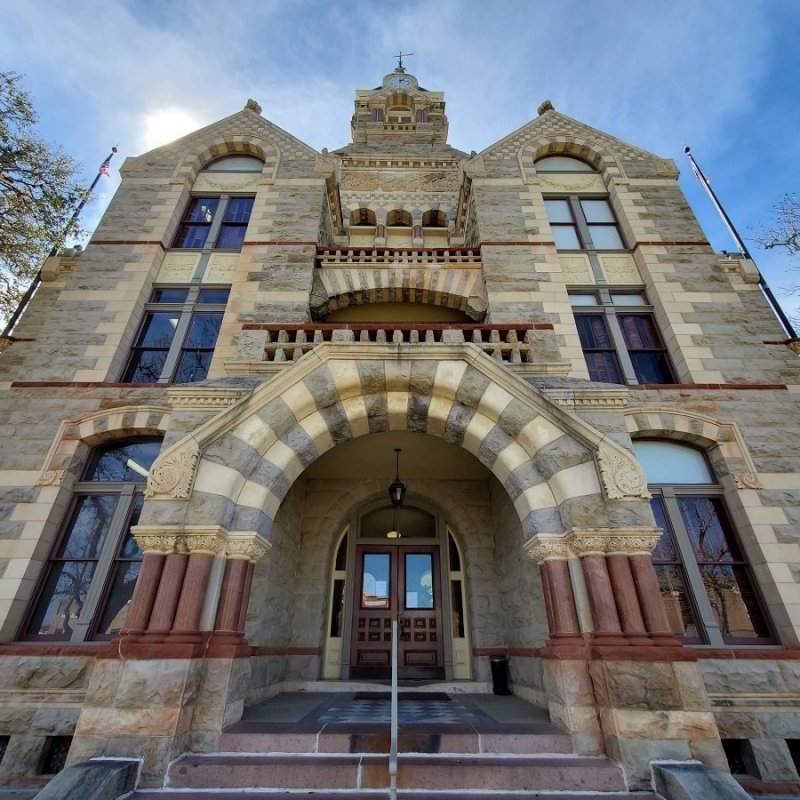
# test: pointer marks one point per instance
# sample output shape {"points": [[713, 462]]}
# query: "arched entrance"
{"points": [[409, 568]]}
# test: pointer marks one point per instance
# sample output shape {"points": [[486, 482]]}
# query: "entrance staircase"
{"points": [[330, 756]]}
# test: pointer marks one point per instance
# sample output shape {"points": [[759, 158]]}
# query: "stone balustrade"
{"points": [[512, 344], [344, 257]]}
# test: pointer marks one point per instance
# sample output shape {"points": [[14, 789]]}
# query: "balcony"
{"points": [[529, 349], [403, 257]]}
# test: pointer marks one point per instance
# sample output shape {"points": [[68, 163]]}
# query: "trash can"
{"points": [[500, 678]]}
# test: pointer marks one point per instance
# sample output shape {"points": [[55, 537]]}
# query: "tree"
{"points": [[38, 192], [785, 233]]}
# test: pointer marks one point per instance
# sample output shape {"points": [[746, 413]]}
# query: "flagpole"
{"points": [[103, 169], [777, 310]]}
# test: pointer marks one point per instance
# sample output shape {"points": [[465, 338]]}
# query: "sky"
{"points": [[720, 75]]}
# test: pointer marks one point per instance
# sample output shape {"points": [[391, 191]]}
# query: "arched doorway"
{"points": [[409, 568]]}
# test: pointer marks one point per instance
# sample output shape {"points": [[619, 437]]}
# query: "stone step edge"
{"points": [[444, 794]]}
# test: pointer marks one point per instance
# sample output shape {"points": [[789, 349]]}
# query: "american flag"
{"points": [[104, 168]]}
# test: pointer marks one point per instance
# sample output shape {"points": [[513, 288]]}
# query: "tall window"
{"points": [[579, 222], [707, 585], [219, 222], [176, 339], [89, 578], [619, 337]]}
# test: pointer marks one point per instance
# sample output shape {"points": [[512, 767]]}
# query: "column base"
{"points": [[227, 644]]}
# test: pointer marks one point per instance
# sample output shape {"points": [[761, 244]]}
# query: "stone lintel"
{"points": [[203, 397]]}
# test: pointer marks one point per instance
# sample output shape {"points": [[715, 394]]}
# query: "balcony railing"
{"points": [[512, 344], [342, 257]]}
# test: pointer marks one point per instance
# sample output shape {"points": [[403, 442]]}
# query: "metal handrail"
{"points": [[393, 723]]}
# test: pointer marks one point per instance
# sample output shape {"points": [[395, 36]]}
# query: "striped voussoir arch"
{"points": [[543, 455], [460, 289]]}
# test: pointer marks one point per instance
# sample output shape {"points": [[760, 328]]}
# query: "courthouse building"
{"points": [[597, 418]]}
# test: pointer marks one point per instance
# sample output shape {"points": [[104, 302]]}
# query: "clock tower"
{"points": [[399, 108]]}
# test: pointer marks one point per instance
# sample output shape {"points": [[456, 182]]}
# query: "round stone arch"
{"points": [[194, 161], [97, 428], [458, 289], [595, 154], [557, 469], [721, 441]]}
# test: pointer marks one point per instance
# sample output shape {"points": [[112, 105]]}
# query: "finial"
{"points": [[252, 105], [546, 106], [399, 57]]}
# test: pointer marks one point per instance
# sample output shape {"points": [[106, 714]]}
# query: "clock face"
{"points": [[399, 82]]}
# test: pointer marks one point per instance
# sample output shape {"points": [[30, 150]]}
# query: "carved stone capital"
{"points": [[249, 546], [172, 474], [211, 543], [622, 476], [609, 541], [156, 540], [547, 548]]}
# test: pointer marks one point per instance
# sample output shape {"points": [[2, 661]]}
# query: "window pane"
{"points": [[457, 609], [734, 602], [606, 237], [604, 367], [677, 602], [123, 582], [239, 209], [597, 211], [191, 236], [337, 612], [669, 462], [651, 367], [455, 558], [213, 296], [593, 331], [120, 463], [375, 581], [705, 523], [62, 599], [203, 330], [158, 329], [201, 209], [193, 366], [665, 549], [565, 237], [130, 549], [236, 164], [169, 295], [88, 527], [341, 555], [562, 164], [419, 580], [628, 299], [583, 300], [639, 331], [145, 366], [558, 211], [231, 237]]}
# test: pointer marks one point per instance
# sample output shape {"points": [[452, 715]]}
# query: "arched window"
{"points": [[235, 164], [706, 582], [562, 164], [398, 218], [87, 582], [434, 219], [363, 216]]}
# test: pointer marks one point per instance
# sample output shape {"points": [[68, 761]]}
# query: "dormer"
{"points": [[399, 107]]}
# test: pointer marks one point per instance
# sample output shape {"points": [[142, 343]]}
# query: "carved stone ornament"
{"points": [[158, 543], [391, 181], [51, 477], [251, 547], [622, 476], [746, 480], [634, 541], [540, 549], [209, 543], [172, 474]]}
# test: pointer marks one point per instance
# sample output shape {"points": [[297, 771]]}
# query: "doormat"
{"points": [[420, 697]]}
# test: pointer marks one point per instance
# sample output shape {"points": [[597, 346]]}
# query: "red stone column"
{"points": [[169, 592], [248, 584], [649, 593], [562, 616], [186, 625], [626, 599], [144, 595], [607, 628]]}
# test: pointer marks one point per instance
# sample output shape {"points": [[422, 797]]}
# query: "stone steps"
{"points": [[367, 794], [349, 771]]}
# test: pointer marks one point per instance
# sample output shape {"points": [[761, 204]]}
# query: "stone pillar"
{"points": [[607, 628], [186, 625], [626, 599], [169, 592], [144, 594], [227, 639], [649, 592]]}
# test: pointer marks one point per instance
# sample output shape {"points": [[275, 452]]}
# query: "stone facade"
{"points": [[398, 293]]}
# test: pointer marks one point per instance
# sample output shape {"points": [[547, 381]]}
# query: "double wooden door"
{"points": [[397, 582]]}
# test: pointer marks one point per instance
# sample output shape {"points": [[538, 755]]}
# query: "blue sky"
{"points": [[721, 75]]}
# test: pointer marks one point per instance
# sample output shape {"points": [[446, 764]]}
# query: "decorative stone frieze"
{"points": [[249, 546], [195, 397], [544, 548], [211, 540], [156, 539], [173, 472]]}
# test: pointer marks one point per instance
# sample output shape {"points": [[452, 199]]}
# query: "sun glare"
{"points": [[165, 124]]}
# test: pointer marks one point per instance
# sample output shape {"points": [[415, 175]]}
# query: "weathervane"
{"points": [[399, 57]]}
